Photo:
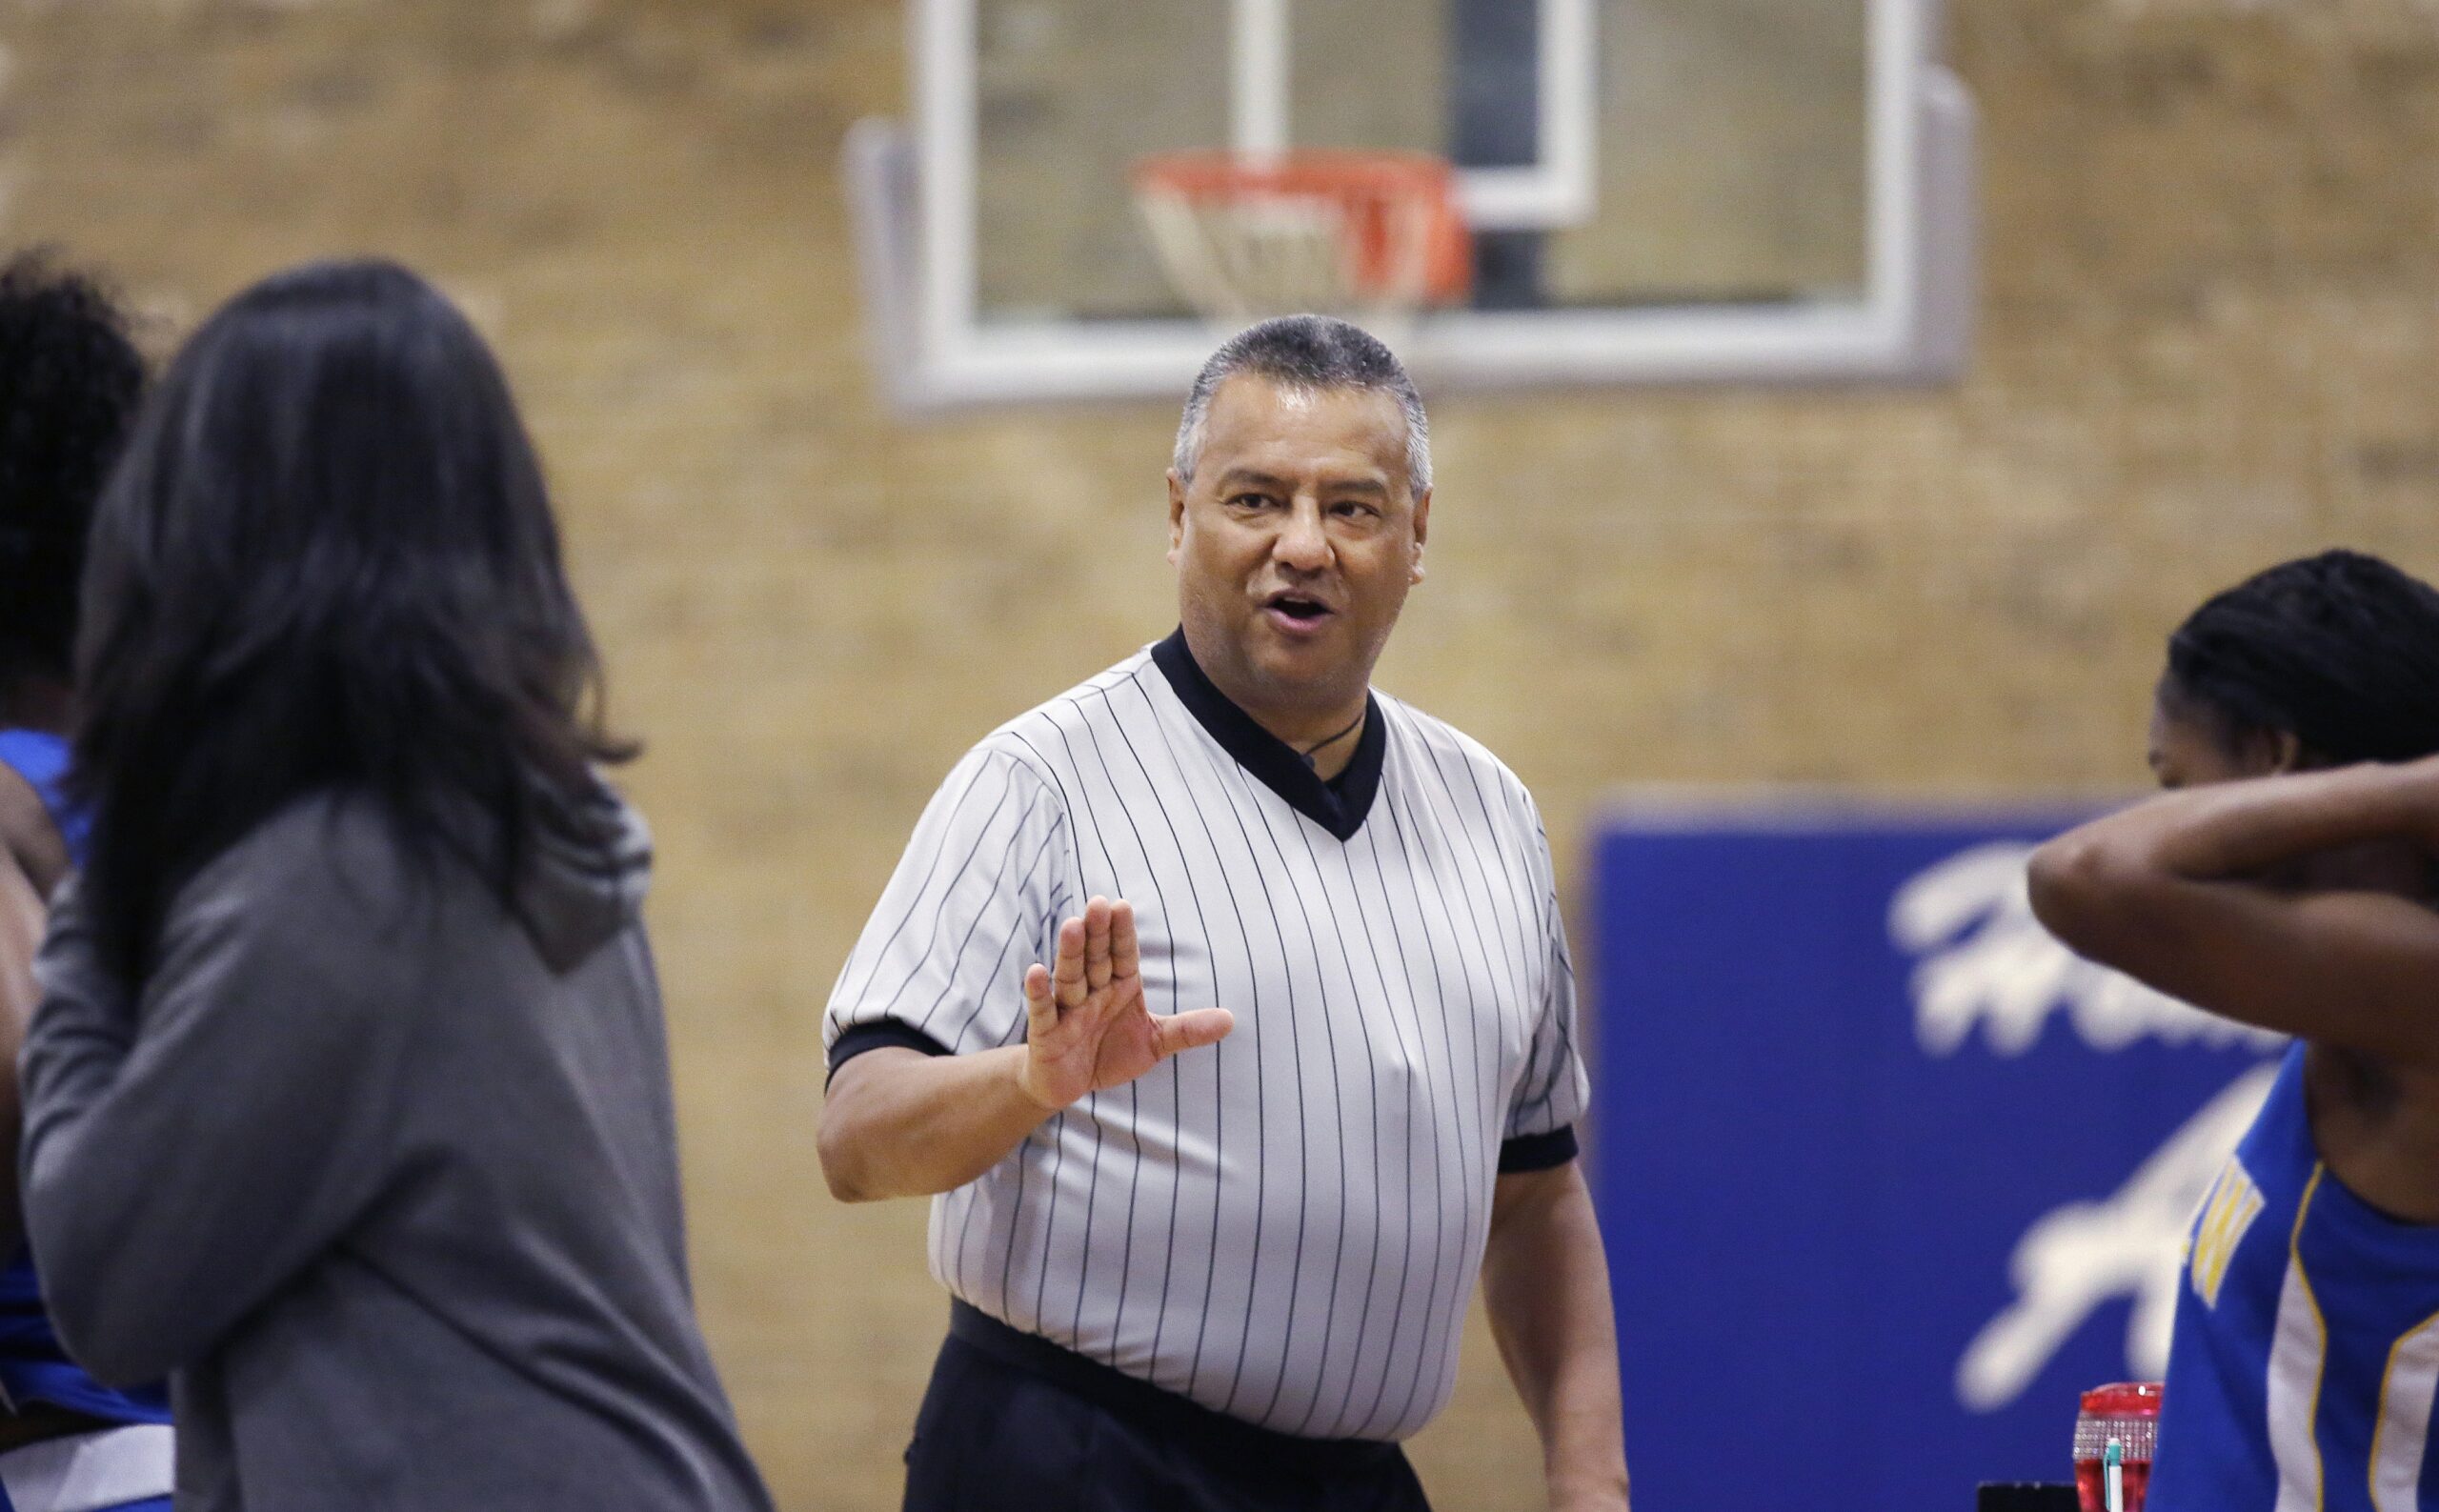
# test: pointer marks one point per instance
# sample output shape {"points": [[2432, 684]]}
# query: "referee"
{"points": [[1218, 1257]]}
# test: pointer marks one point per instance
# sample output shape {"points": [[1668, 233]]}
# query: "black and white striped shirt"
{"points": [[1286, 1226]]}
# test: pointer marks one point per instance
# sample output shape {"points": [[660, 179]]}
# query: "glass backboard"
{"points": [[1660, 189]]}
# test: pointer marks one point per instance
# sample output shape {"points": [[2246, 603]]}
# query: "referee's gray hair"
{"points": [[1310, 353]]}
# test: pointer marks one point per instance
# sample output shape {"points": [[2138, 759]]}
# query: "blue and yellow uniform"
{"points": [[2306, 1352], [33, 1367]]}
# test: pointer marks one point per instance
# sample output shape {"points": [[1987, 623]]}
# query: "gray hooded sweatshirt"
{"points": [[385, 1180]]}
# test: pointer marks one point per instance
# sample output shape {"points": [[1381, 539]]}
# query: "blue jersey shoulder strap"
{"points": [[41, 759]]}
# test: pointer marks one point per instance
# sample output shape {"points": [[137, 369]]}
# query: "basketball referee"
{"points": [[1220, 1256]]}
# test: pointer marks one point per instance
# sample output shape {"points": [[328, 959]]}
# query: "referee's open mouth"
{"points": [[1297, 613]]}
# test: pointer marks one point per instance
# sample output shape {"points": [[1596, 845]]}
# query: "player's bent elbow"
{"points": [[2074, 886]]}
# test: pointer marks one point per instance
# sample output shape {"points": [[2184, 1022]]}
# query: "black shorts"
{"points": [[1015, 1424]]}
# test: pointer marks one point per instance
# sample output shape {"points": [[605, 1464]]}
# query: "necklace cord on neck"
{"points": [[1320, 745]]}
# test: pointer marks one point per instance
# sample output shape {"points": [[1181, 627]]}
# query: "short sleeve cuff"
{"points": [[1527, 1152], [856, 1039]]}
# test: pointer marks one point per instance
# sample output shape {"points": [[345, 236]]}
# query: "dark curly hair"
{"points": [[2340, 650], [69, 382]]}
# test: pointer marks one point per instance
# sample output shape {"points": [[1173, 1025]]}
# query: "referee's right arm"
{"points": [[898, 1122], [907, 1114]]}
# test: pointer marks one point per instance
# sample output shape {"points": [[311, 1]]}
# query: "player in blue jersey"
{"points": [[70, 381], [2289, 884]]}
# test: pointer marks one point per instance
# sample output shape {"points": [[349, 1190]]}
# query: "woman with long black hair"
{"points": [[2289, 884], [348, 1103]]}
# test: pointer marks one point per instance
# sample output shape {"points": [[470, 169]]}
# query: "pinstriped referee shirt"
{"points": [[1286, 1226]]}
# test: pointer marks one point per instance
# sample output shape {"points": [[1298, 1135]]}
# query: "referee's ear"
{"points": [[1422, 529], [1177, 514]]}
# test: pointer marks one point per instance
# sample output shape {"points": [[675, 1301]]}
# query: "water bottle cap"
{"points": [[2124, 1398]]}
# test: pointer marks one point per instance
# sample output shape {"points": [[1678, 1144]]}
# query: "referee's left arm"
{"points": [[1546, 1284], [1545, 1277]]}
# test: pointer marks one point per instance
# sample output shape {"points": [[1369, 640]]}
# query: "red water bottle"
{"points": [[2128, 1414]]}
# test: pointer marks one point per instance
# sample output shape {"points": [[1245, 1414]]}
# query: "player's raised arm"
{"points": [[2293, 902], [900, 1122], [2287, 880]]}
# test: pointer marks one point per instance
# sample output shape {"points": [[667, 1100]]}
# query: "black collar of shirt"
{"points": [[1338, 805]]}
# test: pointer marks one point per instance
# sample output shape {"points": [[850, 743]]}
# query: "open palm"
{"points": [[1086, 1026]]}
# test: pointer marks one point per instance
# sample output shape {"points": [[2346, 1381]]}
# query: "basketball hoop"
{"points": [[1371, 234]]}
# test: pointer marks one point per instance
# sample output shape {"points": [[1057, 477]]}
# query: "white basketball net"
{"points": [[1248, 253]]}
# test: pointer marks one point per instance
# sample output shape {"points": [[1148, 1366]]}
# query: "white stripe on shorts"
{"points": [[86, 1472]]}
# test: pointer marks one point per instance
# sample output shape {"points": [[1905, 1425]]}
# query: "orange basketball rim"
{"points": [[1244, 235]]}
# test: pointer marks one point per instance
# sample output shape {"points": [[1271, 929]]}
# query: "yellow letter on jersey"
{"points": [[2230, 1208]]}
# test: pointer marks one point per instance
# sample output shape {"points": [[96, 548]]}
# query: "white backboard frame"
{"points": [[1556, 189], [913, 199]]}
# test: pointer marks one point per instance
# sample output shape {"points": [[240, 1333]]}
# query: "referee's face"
{"points": [[1295, 543]]}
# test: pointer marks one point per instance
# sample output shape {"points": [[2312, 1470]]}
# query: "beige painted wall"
{"points": [[2211, 339]]}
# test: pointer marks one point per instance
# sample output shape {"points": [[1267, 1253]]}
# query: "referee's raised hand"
{"points": [[1086, 1026]]}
